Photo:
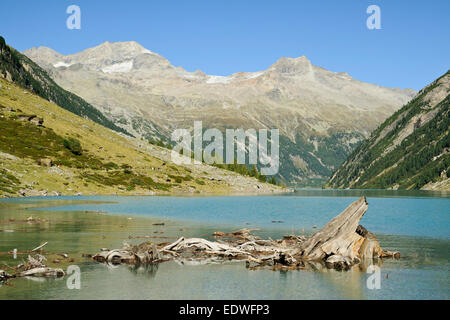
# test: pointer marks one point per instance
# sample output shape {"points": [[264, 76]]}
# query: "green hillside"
{"points": [[46, 150], [410, 150]]}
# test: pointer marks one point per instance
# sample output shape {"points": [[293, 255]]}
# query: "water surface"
{"points": [[415, 223]]}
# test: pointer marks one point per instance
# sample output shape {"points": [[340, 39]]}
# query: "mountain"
{"points": [[48, 150], [21, 70], [410, 150], [322, 115]]}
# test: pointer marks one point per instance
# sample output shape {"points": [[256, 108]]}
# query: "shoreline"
{"points": [[53, 195]]}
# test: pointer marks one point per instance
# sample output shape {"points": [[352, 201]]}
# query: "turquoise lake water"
{"points": [[415, 223]]}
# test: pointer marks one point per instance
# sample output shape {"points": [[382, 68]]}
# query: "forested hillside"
{"points": [[410, 150]]}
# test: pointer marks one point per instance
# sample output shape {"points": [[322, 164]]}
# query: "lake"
{"points": [[415, 223]]}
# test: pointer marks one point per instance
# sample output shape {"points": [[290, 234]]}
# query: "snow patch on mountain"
{"points": [[119, 67], [218, 79], [62, 64]]}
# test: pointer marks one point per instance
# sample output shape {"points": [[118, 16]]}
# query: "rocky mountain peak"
{"points": [[288, 65], [110, 53], [108, 57], [46, 54], [128, 49]]}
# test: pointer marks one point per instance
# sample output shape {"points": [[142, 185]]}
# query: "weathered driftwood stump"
{"points": [[340, 244], [343, 242]]}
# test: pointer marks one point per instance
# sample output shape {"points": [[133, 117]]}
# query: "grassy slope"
{"points": [[109, 163], [418, 161]]}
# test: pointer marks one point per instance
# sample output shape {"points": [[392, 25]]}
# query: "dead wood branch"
{"points": [[40, 247]]}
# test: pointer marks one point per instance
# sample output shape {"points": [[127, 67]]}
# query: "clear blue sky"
{"points": [[222, 37]]}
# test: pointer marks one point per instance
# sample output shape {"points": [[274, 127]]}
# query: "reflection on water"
{"points": [[421, 273]]}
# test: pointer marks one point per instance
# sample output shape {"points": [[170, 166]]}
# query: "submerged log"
{"points": [[42, 272], [206, 246]]}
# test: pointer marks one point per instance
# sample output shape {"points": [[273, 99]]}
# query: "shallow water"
{"points": [[416, 224]]}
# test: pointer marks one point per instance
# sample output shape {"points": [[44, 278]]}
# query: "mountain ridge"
{"points": [[322, 115], [137, 49]]}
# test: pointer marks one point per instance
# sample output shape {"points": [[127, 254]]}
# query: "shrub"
{"points": [[200, 182], [110, 165], [73, 145]]}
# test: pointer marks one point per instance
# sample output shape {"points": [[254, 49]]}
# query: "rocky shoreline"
{"points": [[29, 193]]}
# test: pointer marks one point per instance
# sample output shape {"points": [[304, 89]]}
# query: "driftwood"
{"points": [[40, 247], [42, 272], [33, 267], [341, 244], [144, 253]]}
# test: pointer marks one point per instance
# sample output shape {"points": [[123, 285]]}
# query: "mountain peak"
{"points": [[289, 65], [117, 50], [121, 44], [45, 52]]}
